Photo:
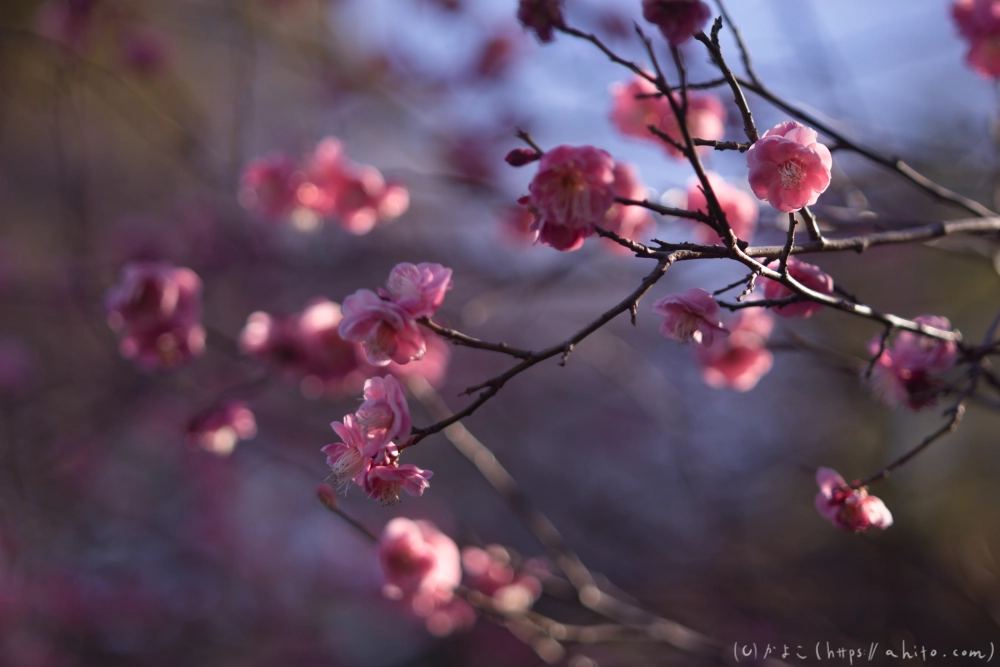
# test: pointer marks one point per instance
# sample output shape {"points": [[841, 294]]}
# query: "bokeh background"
{"points": [[122, 544]]}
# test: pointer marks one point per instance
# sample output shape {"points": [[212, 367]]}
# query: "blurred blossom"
{"points": [[269, 187], [571, 193], [740, 360], [434, 365], [809, 275], [491, 572], [514, 225], [904, 372], [636, 106], [156, 310], [789, 167], [144, 50], [497, 55], [307, 345], [692, 317], [738, 206], [630, 222], [541, 17], [678, 20], [846, 508], [978, 22], [419, 563], [218, 429]]}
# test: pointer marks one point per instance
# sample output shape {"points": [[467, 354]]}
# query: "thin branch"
{"points": [[460, 338], [714, 50]]}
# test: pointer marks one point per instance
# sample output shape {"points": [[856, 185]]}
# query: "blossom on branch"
{"points": [[384, 415], [349, 459], [978, 22], [269, 187], [156, 309], [788, 167], [629, 222], [692, 317], [419, 289], [385, 329], [847, 508], [904, 372], [571, 194], [740, 208], [419, 564], [386, 481], [809, 275], [678, 20], [740, 360]]}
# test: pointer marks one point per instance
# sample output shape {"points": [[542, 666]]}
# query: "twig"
{"points": [[460, 338]]}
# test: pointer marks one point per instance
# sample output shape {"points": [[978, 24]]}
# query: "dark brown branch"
{"points": [[723, 145], [664, 210], [460, 338], [714, 50]]}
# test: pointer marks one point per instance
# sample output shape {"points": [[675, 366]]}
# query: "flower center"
{"points": [[791, 174]]}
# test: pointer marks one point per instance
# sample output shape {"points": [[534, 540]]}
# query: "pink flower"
{"points": [[903, 374], [516, 225], [742, 359], [690, 317], [356, 195], [678, 20], [418, 289], [433, 367], [490, 571], [541, 16], [635, 109], [978, 22], [788, 167], [630, 222], [847, 508], [156, 309], [739, 207], [269, 187], [386, 330], [349, 459], [218, 429], [810, 276], [385, 482], [418, 560], [571, 192], [384, 415]]}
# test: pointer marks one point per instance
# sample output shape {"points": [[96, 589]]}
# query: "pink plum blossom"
{"points": [[269, 187], [349, 459], [386, 330], [678, 20], [739, 207], [904, 373], [635, 108], [418, 289], [630, 222], [690, 317], [788, 167], [218, 429], [978, 22], [847, 508], [541, 16], [419, 563], [384, 415], [742, 359], [386, 482], [571, 194], [808, 275], [156, 309]]}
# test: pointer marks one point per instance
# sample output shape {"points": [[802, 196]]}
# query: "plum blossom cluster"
{"points": [[156, 310], [422, 567], [739, 208], [574, 192], [637, 105], [846, 508], [366, 454], [978, 22], [678, 20], [218, 429], [904, 373], [385, 323], [326, 185], [733, 356], [807, 275]]}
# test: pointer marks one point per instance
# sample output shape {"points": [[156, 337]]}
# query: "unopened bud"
{"points": [[522, 156]]}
